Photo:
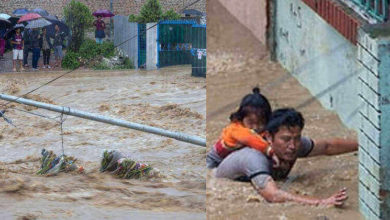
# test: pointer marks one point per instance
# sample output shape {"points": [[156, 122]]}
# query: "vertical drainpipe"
{"points": [[271, 28], [158, 46], [111, 23], [139, 44]]}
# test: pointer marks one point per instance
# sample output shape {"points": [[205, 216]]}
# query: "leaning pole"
{"points": [[118, 122]]}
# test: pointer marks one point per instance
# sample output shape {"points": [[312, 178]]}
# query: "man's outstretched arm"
{"points": [[333, 147], [271, 193]]}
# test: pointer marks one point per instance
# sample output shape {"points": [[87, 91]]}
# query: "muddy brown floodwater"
{"points": [[236, 63], [167, 98]]}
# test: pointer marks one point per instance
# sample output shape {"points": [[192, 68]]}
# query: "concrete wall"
{"points": [[121, 7], [374, 135], [123, 31], [319, 57], [151, 46], [251, 13]]}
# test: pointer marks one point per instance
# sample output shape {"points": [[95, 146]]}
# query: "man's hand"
{"points": [[270, 192], [337, 199]]}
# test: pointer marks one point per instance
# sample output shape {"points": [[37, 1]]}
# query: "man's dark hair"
{"points": [[253, 103], [288, 117]]}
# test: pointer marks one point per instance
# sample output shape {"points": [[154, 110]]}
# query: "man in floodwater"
{"points": [[283, 131]]}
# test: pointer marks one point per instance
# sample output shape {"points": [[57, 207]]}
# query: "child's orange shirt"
{"points": [[236, 136]]}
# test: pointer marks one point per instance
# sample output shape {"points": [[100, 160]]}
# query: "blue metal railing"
{"points": [[378, 9]]}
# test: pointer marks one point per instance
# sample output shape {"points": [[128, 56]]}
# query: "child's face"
{"points": [[252, 121]]}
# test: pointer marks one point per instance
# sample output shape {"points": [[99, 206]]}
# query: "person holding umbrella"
{"points": [[27, 46], [46, 47], [34, 24], [4, 24], [100, 26], [35, 45], [17, 42], [26, 17], [58, 41]]}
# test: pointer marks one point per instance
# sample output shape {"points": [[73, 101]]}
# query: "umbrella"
{"points": [[20, 12], [4, 21], [18, 26], [51, 17], [4, 16], [192, 12], [103, 12], [11, 31], [4, 24], [29, 17], [39, 23], [14, 20], [39, 11], [50, 30]]}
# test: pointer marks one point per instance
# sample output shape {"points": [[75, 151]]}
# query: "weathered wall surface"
{"points": [[251, 13], [374, 136], [151, 46], [120, 7], [319, 57], [124, 33]]}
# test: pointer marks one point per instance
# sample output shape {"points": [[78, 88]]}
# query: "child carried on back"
{"points": [[243, 131]]}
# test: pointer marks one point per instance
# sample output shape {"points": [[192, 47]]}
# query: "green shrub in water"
{"points": [[107, 49], [128, 64], [90, 49], [70, 60]]}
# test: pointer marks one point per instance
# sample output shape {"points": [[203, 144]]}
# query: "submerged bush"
{"points": [[71, 60], [90, 49]]}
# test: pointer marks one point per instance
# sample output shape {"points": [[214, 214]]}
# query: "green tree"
{"points": [[151, 11], [78, 17], [171, 15]]}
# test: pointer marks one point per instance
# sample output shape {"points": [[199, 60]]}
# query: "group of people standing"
{"points": [[31, 40], [35, 41]]}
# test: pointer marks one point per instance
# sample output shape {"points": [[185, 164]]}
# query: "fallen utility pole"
{"points": [[118, 122]]}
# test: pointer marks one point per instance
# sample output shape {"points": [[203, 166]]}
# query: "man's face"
{"points": [[286, 142]]}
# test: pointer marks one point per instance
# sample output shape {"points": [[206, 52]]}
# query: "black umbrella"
{"points": [[13, 20], [50, 30], [5, 23]]}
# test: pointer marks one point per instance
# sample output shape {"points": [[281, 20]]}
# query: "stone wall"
{"points": [[120, 7]]}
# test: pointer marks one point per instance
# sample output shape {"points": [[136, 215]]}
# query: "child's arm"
{"points": [[13, 40], [251, 139]]}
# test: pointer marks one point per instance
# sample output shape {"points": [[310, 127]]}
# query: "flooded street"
{"points": [[167, 98], [236, 63]]}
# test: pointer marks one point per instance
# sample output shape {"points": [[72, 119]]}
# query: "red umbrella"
{"points": [[29, 17], [103, 12]]}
